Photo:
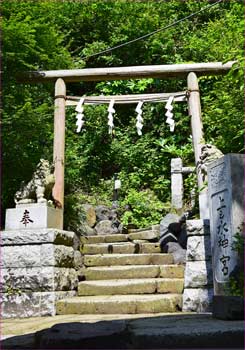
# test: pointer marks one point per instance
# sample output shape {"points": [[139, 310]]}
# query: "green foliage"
{"points": [[236, 280], [190, 191], [236, 285], [31, 40], [74, 214], [239, 241], [60, 34], [145, 208]]}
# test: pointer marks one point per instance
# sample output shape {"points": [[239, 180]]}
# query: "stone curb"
{"points": [[188, 331]]}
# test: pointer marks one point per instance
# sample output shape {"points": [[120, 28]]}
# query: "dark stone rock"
{"points": [[179, 254], [166, 221], [172, 229], [117, 226], [90, 214], [175, 228], [227, 307], [104, 227], [104, 213], [86, 230], [182, 238], [168, 237]]}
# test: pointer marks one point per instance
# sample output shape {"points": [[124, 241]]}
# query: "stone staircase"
{"points": [[126, 274]]}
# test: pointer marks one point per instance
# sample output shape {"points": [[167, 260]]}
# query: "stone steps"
{"points": [[126, 274], [146, 235], [120, 248], [132, 271], [127, 259], [120, 304], [104, 238], [131, 286]]}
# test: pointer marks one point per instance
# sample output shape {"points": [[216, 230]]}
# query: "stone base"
{"points": [[197, 300], [37, 268], [198, 292], [33, 279], [36, 256], [198, 248], [32, 216], [197, 227], [198, 274], [37, 236], [228, 307], [31, 304]]}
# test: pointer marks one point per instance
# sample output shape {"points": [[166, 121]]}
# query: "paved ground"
{"points": [[164, 331]]}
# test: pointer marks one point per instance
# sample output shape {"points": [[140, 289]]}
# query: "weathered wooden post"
{"points": [[194, 106], [59, 141]]}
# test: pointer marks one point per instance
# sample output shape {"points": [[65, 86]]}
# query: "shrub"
{"points": [[236, 281], [144, 208]]}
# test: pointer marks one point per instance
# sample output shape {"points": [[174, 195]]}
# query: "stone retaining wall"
{"points": [[198, 285], [37, 268]]}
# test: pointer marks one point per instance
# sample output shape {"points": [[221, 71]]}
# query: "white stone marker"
{"points": [[226, 189], [176, 183], [33, 216]]}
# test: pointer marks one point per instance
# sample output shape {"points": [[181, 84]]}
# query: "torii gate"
{"points": [[61, 77]]}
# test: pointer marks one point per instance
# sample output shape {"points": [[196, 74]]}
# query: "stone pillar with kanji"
{"points": [[226, 189]]}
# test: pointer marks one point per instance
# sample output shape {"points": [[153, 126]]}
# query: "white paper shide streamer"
{"points": [[169, 107], [111, 111], [139, 119], [80, 115]]}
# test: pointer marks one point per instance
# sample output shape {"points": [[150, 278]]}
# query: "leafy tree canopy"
{"points": [[61, 34]]}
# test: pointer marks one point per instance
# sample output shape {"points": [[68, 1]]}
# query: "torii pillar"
{"points": [[59, 142], [194, 107]]}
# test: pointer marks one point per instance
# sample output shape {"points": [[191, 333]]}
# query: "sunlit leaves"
{"points": [[60, 34]]}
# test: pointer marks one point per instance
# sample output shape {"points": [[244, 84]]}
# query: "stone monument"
{"points": [[33, 209], [37, 265], [208, 154], [226, 191]]}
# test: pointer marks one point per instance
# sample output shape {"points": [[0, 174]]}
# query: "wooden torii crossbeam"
{"points": [[61, 77], [127, 99], [124, 73]]}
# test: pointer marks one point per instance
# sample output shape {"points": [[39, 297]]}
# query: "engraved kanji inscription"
{"points": [[26, 218]]}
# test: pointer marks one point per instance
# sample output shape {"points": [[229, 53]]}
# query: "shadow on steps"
{"points": [[189, 331]]}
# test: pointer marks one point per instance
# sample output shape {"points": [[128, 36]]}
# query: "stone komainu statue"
{"points": [[40, 185], [208, 154]]}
